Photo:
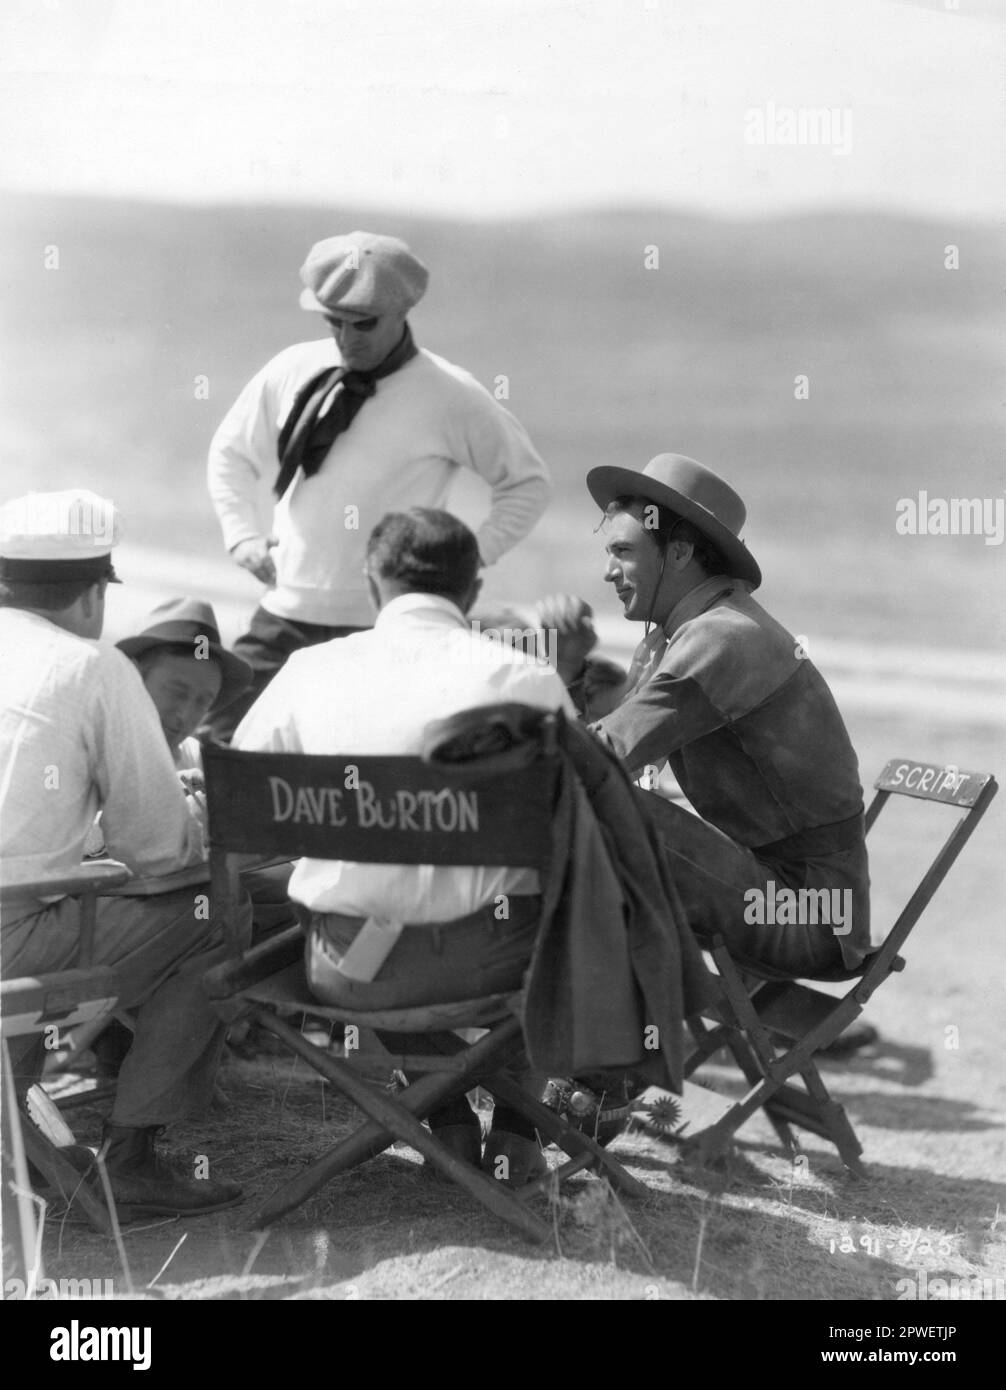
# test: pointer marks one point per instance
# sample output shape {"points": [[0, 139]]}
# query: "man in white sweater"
{"points": [[342, 429]]}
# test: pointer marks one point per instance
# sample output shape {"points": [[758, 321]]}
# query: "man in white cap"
{"points": [[342, 428], [724, 694], [79, 734]]}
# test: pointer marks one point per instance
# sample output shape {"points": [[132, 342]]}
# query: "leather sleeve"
{"points": [[664, 715]]}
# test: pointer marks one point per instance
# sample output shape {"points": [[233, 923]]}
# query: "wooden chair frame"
{"points": [[28, 1006], [759, 1006], [268, 982]]}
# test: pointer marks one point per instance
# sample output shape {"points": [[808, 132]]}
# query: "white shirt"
{"points": [[402, 450], [187, 757], [375, 692], [79, 734]]}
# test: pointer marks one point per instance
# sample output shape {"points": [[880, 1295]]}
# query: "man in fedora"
{"points": [[342, 428], [188, 674], [79, 735], [724, 694], [186, 671]]}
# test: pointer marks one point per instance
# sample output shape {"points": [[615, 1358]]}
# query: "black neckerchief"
{"points": [[308, 435]]}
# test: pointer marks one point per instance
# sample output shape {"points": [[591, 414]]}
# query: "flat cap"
{"points": [[47, 537], [364, 272]]}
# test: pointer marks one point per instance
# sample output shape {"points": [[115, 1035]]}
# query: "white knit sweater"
{"points": [[405, 445]]}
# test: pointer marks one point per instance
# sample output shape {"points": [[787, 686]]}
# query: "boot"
{"points": [[513, 1159], [457, 1127], [142, 1180]]}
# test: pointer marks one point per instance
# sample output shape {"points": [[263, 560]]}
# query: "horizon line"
{"points": [[574, 209]]}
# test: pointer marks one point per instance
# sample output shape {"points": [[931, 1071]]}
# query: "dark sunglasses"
{"points": [[361, 325]]}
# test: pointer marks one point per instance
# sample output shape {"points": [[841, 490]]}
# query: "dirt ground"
{"points": [[757, 1227]]}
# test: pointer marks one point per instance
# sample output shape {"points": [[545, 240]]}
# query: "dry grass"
{"points": [[756, 1227]]}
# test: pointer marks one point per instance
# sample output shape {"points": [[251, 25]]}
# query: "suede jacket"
{"points": [[732, 702]]}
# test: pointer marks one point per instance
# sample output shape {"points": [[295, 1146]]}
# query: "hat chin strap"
{"points": [[656, 591]]}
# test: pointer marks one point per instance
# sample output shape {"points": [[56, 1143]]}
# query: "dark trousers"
{"points": [[160, 950], [266, 646], [468, 958], [712, 874]]}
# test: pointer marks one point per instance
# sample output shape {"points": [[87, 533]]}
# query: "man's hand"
{"points": [[572, 620], [194, 787], [253, 555]]}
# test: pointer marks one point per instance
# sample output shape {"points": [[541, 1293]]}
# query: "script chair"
{"points": [[773, 1026], [394, 810], [34, 1008]]}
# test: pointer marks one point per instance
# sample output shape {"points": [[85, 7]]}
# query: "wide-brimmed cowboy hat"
{"points": [[690, 491], [184, 621]]}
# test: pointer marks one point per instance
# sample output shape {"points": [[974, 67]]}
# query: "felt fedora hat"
{"points": [[185, 622], [692, 492]]}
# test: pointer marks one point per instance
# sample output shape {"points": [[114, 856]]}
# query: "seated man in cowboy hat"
{"points": [[775, 861], [78, 734]]}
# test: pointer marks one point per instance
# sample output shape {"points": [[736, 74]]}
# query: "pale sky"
{"points": [[496, 107]]}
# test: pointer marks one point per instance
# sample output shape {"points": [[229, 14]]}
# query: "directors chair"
{"points": [[36, 1010], [392, 810], [774, 1026]]}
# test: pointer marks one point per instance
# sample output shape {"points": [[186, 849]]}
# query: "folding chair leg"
{"points": [[572, 1140], [419, 1099], [708, 1041], [63, 1176], [709, 1143], [836, 1121], [745, 1060], [396, 1120], [555, 1177]]}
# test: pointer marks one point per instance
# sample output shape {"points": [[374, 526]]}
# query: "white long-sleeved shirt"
{"points": [[79, 734], [374, 692], [402, 450]]}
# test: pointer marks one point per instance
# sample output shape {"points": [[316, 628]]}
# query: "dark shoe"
{"points": [[142, 1180], [461, 1135], [463, 1141], [512, 1159], [597, 1106]]}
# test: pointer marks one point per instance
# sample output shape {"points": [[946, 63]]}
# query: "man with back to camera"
{"points": [[343, 428], [79, 734], [374, 692]]}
